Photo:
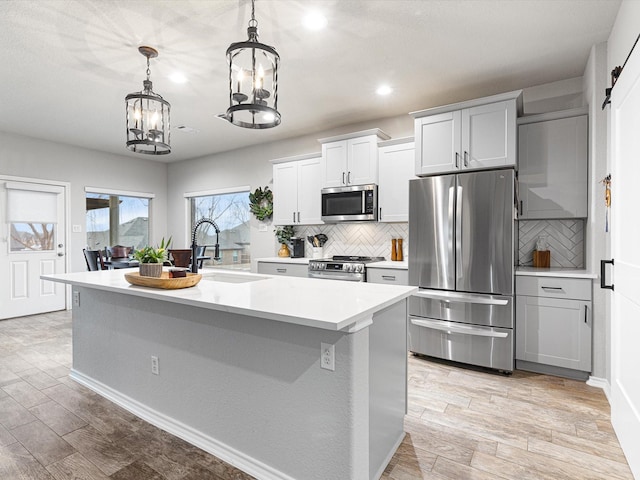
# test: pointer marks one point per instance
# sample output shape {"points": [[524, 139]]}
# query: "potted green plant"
{"points": [[284, 234], [152, 258]]}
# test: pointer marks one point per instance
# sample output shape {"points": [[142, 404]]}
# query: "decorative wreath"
{"points": [[261, 203]]}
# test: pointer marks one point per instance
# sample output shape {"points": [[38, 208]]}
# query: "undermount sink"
{"points": [[232, 277]]}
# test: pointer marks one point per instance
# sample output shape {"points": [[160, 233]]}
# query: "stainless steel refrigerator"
{"points": [[461, 255]]}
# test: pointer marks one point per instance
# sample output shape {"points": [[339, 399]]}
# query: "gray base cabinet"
{"points": [[390, 276], [554, 321], [284, 268]]}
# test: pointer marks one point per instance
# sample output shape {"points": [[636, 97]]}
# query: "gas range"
{"points": [[342, 267]]}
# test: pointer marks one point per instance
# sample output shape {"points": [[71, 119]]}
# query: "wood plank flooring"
{"points": [[462, 423]]}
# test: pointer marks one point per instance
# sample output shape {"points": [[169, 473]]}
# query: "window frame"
{"points": [[188, 196]]}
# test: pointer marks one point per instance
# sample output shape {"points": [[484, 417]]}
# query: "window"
{"points": [[230, 211], [32, 236], [117, 220]]}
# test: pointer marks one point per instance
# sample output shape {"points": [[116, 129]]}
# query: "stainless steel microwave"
{"points": [[355, 203]]}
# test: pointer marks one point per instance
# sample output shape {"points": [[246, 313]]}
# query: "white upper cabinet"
{"points": [[470, 135], [396, 160], [351, 159], [296, 191], [553, 165]]}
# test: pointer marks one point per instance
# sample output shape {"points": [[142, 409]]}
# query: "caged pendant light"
{"points": [[253, 81], [148, 122]]}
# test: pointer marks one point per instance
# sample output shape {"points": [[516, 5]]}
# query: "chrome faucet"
{"points": [[194, 245]]}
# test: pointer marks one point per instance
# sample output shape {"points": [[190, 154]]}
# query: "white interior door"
{"points": [[32, 243], [625, 232]]}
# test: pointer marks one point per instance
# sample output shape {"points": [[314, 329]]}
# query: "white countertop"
{"points": [[403, 265], [327, 304], [304, 260], [555, 272]]}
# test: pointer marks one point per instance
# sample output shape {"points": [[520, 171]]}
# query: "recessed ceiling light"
{"points": [[314, 21], [384, 90], [186, 129], [178, 77]]}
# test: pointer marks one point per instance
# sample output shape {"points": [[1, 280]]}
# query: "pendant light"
{"points": [[148, 122], [253, 81]]}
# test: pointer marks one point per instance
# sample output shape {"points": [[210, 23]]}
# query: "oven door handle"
{"points": [[350, 278], [461, 297], [456, 328]]}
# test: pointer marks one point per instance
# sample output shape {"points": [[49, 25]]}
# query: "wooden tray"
{"points": [[164, 281]]}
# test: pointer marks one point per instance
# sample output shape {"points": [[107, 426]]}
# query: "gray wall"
{"points": [[250, 166], [598, 241], [27, 157]]}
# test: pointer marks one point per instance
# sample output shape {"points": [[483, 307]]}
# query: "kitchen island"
{"points": [[239, 366]]}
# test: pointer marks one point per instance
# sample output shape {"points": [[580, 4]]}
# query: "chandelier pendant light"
{"points": [[148, 116], [253, 81]]}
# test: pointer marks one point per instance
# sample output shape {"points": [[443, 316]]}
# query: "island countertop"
{"points": [[327, 304]]}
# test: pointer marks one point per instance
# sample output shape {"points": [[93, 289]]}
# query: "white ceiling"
{"points": [[68, 64]]}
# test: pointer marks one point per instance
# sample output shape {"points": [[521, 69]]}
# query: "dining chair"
{"points": [[119, 251], [94, 259]]}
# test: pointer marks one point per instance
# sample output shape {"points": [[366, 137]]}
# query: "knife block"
{"points": [[542, 258]]}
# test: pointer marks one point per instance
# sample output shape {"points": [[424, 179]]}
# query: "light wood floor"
{"points": [[462, 424]]}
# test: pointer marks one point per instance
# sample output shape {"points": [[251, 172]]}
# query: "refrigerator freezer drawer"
{"points": [[477, 309], [482, 346]]}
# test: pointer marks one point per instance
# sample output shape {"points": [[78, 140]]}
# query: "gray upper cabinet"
{"points": [[351, 159], [396, 167], [553, 165], [296, 190], [476, 134]]}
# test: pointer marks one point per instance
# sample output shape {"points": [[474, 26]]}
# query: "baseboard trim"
{"points": [[602, 383], [390, 455], [185, 432]]}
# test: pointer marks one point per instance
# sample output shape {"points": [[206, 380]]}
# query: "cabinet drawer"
{"points": [[554, 287], [290, 269], [392, 276]]}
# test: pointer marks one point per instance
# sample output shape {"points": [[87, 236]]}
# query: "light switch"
{"points": [[77, 229]]}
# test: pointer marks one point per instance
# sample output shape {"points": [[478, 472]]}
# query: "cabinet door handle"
{"points": [[550, 288], [391, 278], [602, 273], [343, 182], [466, 158], [380, 213], [585, 314], [457, 158], [298, 217], [521, 209], [294, 217], [348, 178], [281, 270]]}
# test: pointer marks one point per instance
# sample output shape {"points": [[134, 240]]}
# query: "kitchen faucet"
{"points": [[194, 245]]}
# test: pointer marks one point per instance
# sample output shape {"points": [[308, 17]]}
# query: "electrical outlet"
{"points": [[77, 228], [76, 298], [328, 356], [155, 367]]}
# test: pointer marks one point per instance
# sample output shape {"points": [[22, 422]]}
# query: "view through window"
{"points": [[116, 220], [32, 236], [230, 211]]}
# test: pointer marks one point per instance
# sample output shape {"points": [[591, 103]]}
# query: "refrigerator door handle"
{"points": [[451, 327], [461, 297], [458, 233]]}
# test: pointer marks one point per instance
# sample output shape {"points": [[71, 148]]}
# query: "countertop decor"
{"points": [[164, 281]]}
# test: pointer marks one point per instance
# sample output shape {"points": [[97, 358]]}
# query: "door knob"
{"points": [[60, 254]]}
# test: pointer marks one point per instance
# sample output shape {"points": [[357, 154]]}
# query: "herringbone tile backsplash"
{"points": [[565, 239], [366, 239]]}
